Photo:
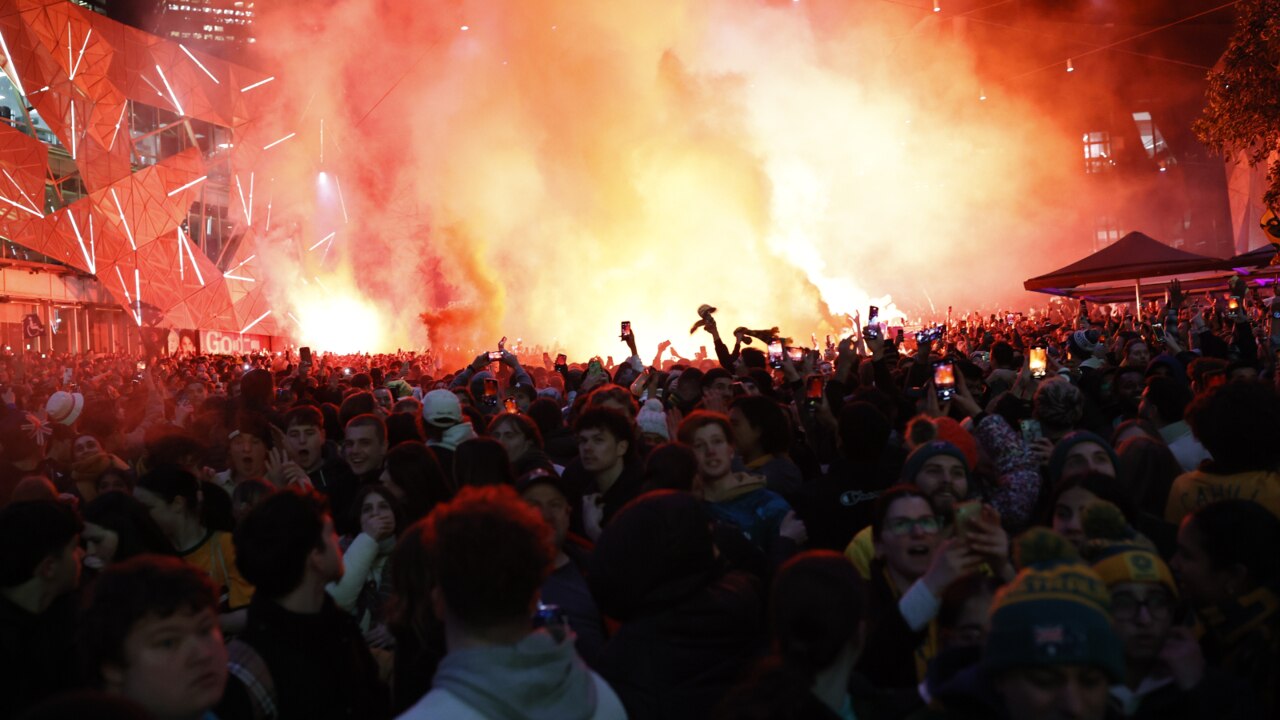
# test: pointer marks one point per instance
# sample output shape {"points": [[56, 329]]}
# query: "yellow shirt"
{"points": [[216, 555], [1195, 489], [861, 551]]}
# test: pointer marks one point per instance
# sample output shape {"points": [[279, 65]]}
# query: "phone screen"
{"points": [[495, 354], [626, 328], [561, 359], [304, 355], [1233, 303], [873, 315], [490, 388], [1038, 362], [775, 354], [813, 390], [510, 406], [796, 354], [944, 380]]}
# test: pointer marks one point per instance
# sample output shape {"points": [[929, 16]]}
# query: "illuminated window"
{"points": [[1106, 230], [1097, 152]]}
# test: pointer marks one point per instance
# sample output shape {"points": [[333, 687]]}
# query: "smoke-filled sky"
{"points": [[544, 169]]}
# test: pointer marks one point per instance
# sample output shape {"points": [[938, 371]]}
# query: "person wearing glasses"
{"points": [[914, 563], [1166, 674]]}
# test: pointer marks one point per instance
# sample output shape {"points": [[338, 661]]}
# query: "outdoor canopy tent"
{"points": [[1133, 257]]}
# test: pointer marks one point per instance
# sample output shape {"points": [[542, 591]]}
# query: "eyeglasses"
{"points": [[1159, 606], [904, 526]]}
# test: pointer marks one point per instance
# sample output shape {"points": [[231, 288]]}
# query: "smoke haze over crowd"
{"points": [[545, 169]]}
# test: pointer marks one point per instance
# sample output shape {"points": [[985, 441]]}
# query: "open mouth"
{"points": [[918, 551]]}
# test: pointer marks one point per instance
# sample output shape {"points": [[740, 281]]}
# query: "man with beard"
{"points": [[939, 470]]}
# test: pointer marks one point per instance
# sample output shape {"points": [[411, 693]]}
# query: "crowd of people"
{"points": [[1072, 512]]}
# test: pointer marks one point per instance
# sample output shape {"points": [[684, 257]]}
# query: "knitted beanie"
{"points": [[951, 431], [1056, 611], [653, 419], [928, 451], [1059, 457], [1119, 553]]}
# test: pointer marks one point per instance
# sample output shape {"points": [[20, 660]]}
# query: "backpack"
{"points": [[246, 665]]}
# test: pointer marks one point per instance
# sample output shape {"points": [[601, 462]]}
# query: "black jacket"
{"points": [[319, 664], [37, 653]]}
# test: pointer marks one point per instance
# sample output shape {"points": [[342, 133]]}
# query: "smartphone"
{"points": [[1157, 329], [1031, 431], [345, 371], [944, 380], [1008, 319], [66, 376], [491, 391], [626, 330], [510, 406], [1039, 363], [813, 388], [796, 355], [495, 355], [775, 355], [304, 356], [561, 359], [143, 366], [967, 513], [1233, 303], [873, 316]]}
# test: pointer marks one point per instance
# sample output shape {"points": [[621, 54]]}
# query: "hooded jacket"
{"points": [[538, 678]]}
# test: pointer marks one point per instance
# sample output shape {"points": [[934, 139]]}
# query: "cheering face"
{"points": [[908, 537], [944, 479], [304, 443], [99, 545], [174, 666], [248, 456], [363, 449]]}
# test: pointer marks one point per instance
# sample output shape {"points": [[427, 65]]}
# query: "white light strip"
{"points": [[93, 250], [169, 87], [137, 293], [249, 219], [13, 69], [124, 107], [260, 83], [89, 260], [24, 193], [321, 284], [323, 240], [197, 181], [184, 244], [199, 64], [123, 221], [69, 63], [243, 204], [137, 314], [73, 128], [229, 276], [277, 142], [242, 264], [261, 317], [87, 35], [20, 206], [291, 317], [341, 201], [182, 261]]}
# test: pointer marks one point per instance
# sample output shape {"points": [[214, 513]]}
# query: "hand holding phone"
{"points": [[944, 380], [775, 355], [1038, 362]]}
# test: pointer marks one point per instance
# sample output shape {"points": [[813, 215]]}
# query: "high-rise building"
{"points": [[219, 26]]}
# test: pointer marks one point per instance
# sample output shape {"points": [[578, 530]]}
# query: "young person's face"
{"points": [[248, 456], [375, 507], [1142, 616], [1087, 457], [944, 480], [363, 449], [713, 451], [1065, 692], [599, 450], [553, 506], [304, 443], [509, 436], [174, 667], [86, 446], [1068, 514], [908, 537], [1200, 583], [99, 545]]}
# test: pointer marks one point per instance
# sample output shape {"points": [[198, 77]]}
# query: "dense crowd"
{"points": [[1070, 512]]}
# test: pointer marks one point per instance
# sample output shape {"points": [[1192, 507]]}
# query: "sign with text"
{"points": [[214, 342]]}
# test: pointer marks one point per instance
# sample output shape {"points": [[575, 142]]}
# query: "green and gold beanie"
{"points": [[1119, 553], [1056, 611]]}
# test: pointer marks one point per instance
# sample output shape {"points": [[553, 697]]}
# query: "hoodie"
{"points": [[747, 503], [454, 436], [537, 678]]}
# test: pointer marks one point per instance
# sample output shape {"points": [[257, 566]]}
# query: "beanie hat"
{"points": [[441, 408], [928, 451], [64, 407], [1119, 553], [1083, 342], [653, 419], [950, 431], [1059, 457], [1056, 611]]}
